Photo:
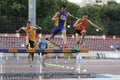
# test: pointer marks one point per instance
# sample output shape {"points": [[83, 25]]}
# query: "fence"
{"points": [[93, 44], [10, 25]]}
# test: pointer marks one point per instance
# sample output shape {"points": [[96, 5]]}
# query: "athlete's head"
{"points": [[43, 37], [63, 8], [29, 24], [85, 16]]}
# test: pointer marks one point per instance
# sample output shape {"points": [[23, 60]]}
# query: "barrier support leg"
{"points": [[1, 67], [41, 61], [79, 65]]}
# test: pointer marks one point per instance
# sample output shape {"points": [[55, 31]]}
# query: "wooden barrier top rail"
{"points": [[45, 50]]}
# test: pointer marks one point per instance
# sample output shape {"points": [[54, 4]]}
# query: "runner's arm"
{"points": [[76, 23], [55, 17], [37, 27], [27, 41], [71, 15], [22, 28], [94, 25]]}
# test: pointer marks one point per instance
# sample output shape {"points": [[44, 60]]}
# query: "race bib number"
{"points": [[43, 47], [63, 17]]}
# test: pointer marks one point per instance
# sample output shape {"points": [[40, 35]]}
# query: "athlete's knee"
{"points": [[64, 33], [52, 36], [83, 32], [78, 42]]}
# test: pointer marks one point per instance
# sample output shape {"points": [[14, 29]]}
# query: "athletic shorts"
{"points": [[31, 44], [78, 32], [57, 29]]}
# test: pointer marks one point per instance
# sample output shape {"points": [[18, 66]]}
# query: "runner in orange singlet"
{"points": [[30, 38], [80, 29]]}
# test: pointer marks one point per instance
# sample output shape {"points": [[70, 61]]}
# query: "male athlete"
{"points": [[30, 38], [60, 23], [42, 44], [80, 29]]}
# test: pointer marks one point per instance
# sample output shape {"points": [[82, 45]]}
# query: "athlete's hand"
{"points": [[79, 24], [20, 29], [17, 31], [39, 27], [100, 29], [76, 18], [55, 18], [23, 28]]}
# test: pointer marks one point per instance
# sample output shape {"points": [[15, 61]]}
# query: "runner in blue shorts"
{"points": [[42, 44], [60, 19]]}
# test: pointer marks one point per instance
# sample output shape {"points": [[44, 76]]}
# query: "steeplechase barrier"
{"points": [[45, 50]]}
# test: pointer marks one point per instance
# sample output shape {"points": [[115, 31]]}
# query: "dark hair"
{"points": [[28, 22], [64, 6], [85, 14]]}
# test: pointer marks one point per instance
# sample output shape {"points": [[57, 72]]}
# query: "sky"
{"points": [[79, 1], [118, 1]]}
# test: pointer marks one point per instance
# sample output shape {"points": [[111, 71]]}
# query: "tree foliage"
{"points": [[14, 14]]}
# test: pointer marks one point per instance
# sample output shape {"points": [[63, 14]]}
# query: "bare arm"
{"points": [[37, 44], [22, 28], [37, 27], [27, 40], [71, 15], [55, 17], [76, 23], [94, 25]]}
